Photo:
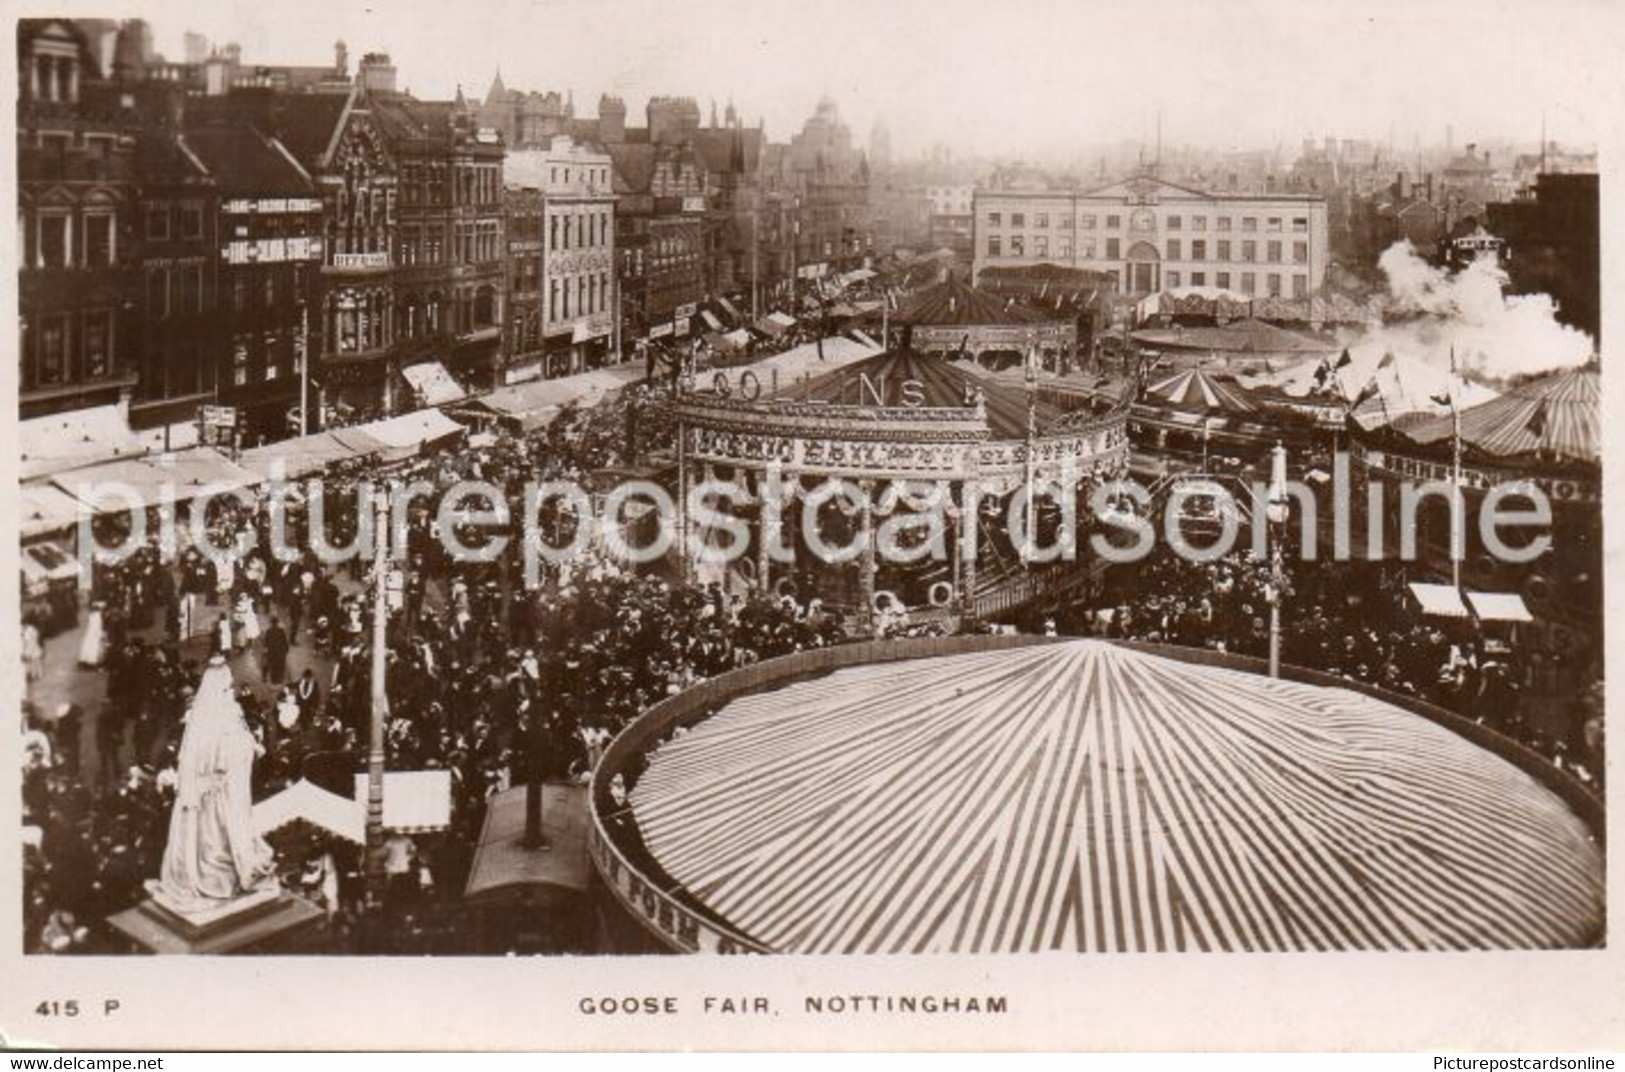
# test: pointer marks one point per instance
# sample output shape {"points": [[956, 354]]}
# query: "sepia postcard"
{"points": [[928, 524]]}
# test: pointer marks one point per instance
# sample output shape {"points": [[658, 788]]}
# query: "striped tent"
{"points": [[1081, 796], [1194, 389], [1558, 415]]}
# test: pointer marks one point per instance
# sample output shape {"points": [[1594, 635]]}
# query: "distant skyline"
{"points": [[1037, 79]]}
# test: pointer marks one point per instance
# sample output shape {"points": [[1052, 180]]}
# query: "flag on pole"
{"points": [[1537, 420]]}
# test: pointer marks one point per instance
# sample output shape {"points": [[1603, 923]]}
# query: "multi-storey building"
{"points": [[524, 229], [578, 260], [1153, 235], [952, 222], [269, 245], [177, 355], [831, 178], [79, 289], [660, 231], [449, 246]]}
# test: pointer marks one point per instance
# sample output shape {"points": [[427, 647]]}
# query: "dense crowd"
{"points": [[487, 680], [498, 684], [1354, 620]]}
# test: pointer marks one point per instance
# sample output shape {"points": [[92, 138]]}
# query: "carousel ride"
{"points": [[916, 436]]}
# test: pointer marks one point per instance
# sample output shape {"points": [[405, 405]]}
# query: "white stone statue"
{"points": [[214, 857]]}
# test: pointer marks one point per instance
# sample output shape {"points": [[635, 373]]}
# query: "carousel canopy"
{"points": [[1082, 796], [1242, 337], [1195, 389], [1557, 415], [942, 384], [955, 303]]}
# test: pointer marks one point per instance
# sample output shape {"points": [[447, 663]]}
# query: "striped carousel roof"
{"points": [[1083, 796], [1197, 390], [1557, 415]]}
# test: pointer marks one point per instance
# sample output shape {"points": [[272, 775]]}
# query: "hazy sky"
{"points": [[1030, 77]]}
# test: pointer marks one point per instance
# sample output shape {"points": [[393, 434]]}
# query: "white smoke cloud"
{"points": [[1428, 312]]}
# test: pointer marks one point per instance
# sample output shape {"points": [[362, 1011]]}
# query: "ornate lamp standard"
{"points": [[1277, 512]]}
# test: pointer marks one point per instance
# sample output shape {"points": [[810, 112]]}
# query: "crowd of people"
{"points": [[498, 683], [1354, 620], [486, 679]]}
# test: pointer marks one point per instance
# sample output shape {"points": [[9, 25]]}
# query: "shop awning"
{"points": [[434, 385], [535, 403], [185, 474], [66, 441], [1499, 607], [46, 510], [729, 308], [1439, 600], [710, 320]]}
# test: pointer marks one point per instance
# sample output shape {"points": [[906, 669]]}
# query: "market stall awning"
{"points": [[1499, 607], [47, 509], [415, 802], [404, 435], [309, 803], [775, 324], [48, 562], [184, 475], [65, 441], [1439, 600], [310, 454], [434, 385]]}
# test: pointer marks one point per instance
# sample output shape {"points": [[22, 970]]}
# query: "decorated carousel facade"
{"points": [[1017, 794], [900, 427]]}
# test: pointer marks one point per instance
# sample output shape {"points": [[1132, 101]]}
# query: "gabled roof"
{"points": [[716, 148], [1143, 183], [634, 167], [306, 122], [244, 161]]}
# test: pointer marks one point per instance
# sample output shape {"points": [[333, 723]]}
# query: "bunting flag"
{"points": [[1345, 360], [1387, 359], [1440, 399], [1367, 393]]}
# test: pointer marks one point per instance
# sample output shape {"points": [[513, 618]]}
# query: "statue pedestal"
{"points": [[265, 921]]}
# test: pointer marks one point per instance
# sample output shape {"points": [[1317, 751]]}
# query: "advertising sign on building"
{"points": [[681, 326], [686, 311], [660, 331]]}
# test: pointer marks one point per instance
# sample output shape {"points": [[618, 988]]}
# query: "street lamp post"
{"points": [[1277, 513], [380, 700]]}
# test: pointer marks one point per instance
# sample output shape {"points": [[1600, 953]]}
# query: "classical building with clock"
{"points": [[1154, 235]]}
